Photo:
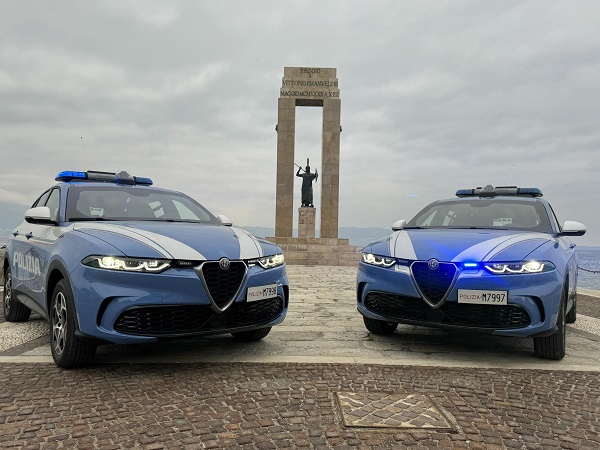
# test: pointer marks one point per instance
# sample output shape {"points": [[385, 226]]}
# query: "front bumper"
{"points": [[128, 308], [391, 295]]}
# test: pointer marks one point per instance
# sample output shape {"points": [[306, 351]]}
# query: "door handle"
{"points": [[15, 233], [29, 235], [572, 246]]}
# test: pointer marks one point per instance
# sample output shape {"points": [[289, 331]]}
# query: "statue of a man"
{"points": [[307, 179]]}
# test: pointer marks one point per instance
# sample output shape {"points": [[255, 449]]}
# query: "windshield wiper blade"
{"points": [[90, 219]]}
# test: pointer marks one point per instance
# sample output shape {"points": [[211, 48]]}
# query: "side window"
{"points": [[42, 200], [53, 203]]}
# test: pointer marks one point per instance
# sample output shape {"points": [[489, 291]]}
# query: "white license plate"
{"points": [[477, 297], [261, 292]]}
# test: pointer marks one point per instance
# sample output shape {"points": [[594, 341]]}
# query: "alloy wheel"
{"points": [[59, 323], [7, 295]]}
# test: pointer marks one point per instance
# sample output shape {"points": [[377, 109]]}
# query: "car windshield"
{"points": [[479, 213], [133, 203]]}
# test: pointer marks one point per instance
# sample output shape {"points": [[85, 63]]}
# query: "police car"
{"points": [[109, 259], [493, 260]]}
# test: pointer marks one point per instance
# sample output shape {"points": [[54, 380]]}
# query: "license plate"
{"points": [[261, 292], [476, 297]]}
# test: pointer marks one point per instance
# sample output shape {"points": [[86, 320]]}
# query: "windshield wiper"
{"points": [[91, 219]]}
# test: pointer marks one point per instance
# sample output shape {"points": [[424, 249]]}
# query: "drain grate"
{"points": [[404, 411]]}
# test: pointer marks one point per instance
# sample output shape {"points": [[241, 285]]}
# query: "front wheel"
{"points": [[253, 335], [14, 310], [554, 346], [67, 350], [379, 326]]}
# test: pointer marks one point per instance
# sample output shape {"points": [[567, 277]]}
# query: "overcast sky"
{"points": [[436, 96]]}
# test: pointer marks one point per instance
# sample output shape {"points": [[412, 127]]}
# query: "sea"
{"points": [[589, 267]]}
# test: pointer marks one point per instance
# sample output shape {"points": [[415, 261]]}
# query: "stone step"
{"points": [[317, 251]]}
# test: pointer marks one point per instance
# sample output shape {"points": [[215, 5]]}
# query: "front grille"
{"points": [[223, 284], [433, 284], [190, 319], [402, 308]]}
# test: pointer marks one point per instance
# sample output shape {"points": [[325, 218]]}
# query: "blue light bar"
{"points": [[490, 191], [69, 175], [143, 180], [470, 265], [107, 177], [534, 192]]}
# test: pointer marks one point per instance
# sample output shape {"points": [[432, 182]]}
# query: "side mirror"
{"points": [[398, 225], [39, 215], [571, 228], [226, 221]]}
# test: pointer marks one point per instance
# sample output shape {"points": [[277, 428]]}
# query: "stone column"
{"points": [[330, 176], [284, 195], [306, 222]]}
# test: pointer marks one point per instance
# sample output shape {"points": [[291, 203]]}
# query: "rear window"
{"points": [[133, 203], [478, 213]]}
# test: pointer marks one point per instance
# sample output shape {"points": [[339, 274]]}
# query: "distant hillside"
{"points": [[11, 215]]}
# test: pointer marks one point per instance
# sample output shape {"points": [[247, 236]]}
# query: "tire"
{"points": [[14, 310], [572, 314], [379, 326], [67, 350], [554, 346], [250, 336]]}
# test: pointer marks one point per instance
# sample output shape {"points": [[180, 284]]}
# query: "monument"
{"points": [[311, 87]]}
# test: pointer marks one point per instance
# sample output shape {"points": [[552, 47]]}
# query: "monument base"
{"points": [[306, 221], [311, 251]]}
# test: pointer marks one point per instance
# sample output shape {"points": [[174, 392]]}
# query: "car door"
{"points": [[37, 248], [18, 248]]}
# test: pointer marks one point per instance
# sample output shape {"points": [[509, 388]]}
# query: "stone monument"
{"points": [[312, 87]]}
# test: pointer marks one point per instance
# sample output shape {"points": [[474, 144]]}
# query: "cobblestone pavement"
{"points": [[273, 406], [588, 305], [180, 403]]}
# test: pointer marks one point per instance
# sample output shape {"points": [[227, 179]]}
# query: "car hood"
{"points": [[178, 240], [458, 245]]}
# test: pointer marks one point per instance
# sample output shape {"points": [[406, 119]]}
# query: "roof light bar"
{"points": [[68, 175], [491, 191], [121, 177]]}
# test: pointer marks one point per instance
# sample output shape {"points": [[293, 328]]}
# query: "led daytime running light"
{"points": [[268, 262], [515, 268], [376, 260], [127, 264]]}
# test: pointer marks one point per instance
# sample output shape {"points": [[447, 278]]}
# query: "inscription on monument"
{"points": [[310, 83]]}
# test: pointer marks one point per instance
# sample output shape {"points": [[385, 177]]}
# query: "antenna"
{"points": [[83, 151], [511, 173]]}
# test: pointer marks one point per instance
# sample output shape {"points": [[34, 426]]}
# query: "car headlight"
{"points": [[268, 262], [519, 267], [376, 260], [127, 264]]}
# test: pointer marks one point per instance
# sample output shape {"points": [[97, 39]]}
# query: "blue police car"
{"points": [[494, 260], [109, 259]]}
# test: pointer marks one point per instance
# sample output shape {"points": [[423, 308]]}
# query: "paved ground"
{"points": [[305, 385]]}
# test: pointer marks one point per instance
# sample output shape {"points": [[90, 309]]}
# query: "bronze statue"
{"points": [[307, 179]]}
